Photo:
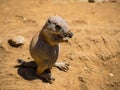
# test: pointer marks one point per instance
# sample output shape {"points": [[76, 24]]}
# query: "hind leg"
{"points": [[62, 66], [46, 74]]}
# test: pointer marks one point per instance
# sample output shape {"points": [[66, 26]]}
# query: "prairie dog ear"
{"points": [[49, 21]]}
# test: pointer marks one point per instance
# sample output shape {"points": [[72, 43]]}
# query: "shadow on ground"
{"points": [[27, 70]]}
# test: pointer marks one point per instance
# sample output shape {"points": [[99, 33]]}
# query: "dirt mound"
{"points": [[93, 53]]}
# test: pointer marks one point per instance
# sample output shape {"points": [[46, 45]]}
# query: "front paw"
{"points": [[62, 66]]}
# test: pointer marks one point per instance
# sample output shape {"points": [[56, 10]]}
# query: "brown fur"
{"points": [[44, 47]]}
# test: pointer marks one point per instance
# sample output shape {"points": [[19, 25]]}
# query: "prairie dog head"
{"points": [[56, 30]]}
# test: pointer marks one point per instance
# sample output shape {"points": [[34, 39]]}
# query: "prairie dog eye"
{"points": [[57, 27], [49, 21]]}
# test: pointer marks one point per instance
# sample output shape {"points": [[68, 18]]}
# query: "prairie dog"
{"points": [[44, 47]]}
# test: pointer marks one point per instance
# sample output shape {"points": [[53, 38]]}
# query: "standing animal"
{"points": [[44, 47]]}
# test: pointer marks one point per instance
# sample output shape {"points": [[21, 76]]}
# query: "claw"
{"points": [[62, 66], [48, 77]]}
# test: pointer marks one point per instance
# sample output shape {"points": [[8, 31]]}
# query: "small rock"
{"points": [[113, 0], [91, 1], [16, 41], [85, 68], [111, 74]]}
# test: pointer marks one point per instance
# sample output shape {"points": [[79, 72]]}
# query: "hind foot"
{"points": [[45, 75], [48, 77], [62, 66]]}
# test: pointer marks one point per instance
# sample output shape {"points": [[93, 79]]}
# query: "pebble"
{"points": [[16, 41], [111, 74]]}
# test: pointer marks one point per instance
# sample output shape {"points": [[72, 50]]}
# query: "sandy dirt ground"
{"points": [[93, 53]]}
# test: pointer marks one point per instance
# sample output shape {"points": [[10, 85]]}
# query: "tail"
{"points": [[24, 64]]}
